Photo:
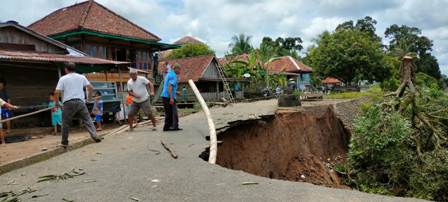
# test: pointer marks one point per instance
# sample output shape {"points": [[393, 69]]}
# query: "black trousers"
{"points": [[76, 109], [171, 115]]}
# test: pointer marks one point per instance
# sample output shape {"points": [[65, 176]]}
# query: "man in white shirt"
{"points": [[138, 90], [72, 86]]}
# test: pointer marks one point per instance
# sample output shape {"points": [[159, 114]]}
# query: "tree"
{"points": [[241, 44], [190, 50], [398, 145], [410, 37], [289, 46], [367, 24], [350, 55]]}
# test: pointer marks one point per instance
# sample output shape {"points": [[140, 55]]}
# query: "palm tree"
{"points": [[241, 44]]}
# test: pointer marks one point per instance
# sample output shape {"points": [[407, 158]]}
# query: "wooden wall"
{"points": [[29, 85], [14, 36], [211, 72]]}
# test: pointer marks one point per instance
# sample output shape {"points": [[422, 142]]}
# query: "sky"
{"points": [[216, 21]]}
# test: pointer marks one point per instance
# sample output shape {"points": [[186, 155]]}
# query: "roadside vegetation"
{"points": [[399, 144], [374, 92]]}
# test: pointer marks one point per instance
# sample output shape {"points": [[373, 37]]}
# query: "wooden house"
{"points": [[31, 64], [100, 32], [294, 70], [203, 70]]}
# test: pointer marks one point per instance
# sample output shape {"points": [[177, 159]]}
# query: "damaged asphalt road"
{"points": [[136, 166]]}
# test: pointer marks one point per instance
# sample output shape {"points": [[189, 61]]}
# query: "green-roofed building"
{"points": [[100, 32]]}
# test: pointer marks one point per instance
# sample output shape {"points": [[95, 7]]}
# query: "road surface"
{"points": [[134, 166]]}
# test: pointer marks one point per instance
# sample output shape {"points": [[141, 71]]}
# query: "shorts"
{"points": [[98, 118], [145, 106], [56, 119], [6, 114]]}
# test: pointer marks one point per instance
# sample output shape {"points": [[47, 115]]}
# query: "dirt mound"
{"points": [[296, 146]]}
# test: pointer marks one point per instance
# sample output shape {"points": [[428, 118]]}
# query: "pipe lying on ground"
{"points": [[211, 125], [26, 115]]}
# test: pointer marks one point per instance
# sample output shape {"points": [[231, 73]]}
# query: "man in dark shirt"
{"points": [[6, 113]]}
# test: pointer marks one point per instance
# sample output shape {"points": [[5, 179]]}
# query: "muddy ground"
{"points": [[297, 145]]}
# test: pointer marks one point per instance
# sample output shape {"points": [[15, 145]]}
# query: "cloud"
{"points": [[217, 21]]}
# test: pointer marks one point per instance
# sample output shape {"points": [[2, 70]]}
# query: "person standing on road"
{"points": [[138, 89], [169, 99], [72, 85]]}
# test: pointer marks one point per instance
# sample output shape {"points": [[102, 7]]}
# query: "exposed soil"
{"points": [[302, 145]]}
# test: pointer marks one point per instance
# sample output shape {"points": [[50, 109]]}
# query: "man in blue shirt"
{"points": [[169, 99]]}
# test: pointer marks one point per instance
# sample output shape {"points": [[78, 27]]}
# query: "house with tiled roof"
{"points": [[331, 82], [188, 40], [31, 64], [100, 32], [233, 58], [180, 42], [203, 70], [295, 70]]}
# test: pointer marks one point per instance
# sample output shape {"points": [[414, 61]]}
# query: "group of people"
{"points": [[71, 87]]}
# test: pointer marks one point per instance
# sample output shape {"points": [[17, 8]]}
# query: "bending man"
{"points": [[138, 90], [72, 86]]}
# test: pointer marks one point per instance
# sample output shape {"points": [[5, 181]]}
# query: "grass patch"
{"points": [[375, 92]]}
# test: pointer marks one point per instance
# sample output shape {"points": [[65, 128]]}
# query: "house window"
{"points": [[94, 52], [101, 52]]}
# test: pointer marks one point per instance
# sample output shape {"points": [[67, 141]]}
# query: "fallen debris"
{"points": [[11, 182], [173, 154], [68, 200], [134, 198], [155, 151], [39, 195], [73, 173], [249, 183], [13, 196]]}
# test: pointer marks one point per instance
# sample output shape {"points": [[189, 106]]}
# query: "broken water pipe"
{"points": [[211, 125]]}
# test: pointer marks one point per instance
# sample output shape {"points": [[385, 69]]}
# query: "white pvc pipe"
{"points": [[211, 125], [25, 115]]}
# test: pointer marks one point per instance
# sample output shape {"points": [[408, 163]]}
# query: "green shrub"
{"points": [[297, 93], [383, 156], [390, 85], [378, 151]]}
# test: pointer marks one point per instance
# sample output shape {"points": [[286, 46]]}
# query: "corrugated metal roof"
{"points": [[22, 56]]}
